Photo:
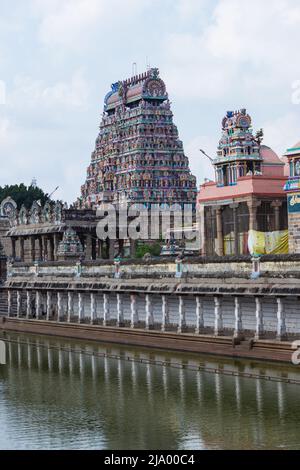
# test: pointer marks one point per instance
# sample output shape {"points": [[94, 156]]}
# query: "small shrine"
{"points": [[247, 194], [70, 246]]}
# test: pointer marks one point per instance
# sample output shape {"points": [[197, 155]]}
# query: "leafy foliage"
{"points": [[154, 250], [23, 194]]}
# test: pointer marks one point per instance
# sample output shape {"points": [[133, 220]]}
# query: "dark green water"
{"points": [[51, 399]]}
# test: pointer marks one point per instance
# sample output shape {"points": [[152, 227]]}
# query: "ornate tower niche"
{"points": [[138, 156], [238, 151]]}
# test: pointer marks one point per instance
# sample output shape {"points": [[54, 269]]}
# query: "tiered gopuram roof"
{"points": [[138, 155]]}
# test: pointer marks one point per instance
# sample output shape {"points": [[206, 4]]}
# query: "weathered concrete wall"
{"points": [[281, 266], [294, 233]]}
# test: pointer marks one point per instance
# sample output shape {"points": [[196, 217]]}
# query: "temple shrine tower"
{"points": [[138, 155], [248, 191]]}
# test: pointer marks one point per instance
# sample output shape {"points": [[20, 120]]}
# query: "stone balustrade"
{"points": [[216, 315]]}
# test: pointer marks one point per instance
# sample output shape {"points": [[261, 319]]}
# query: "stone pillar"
{"points": [[38, 305], [238, 325], [100, 249], [252, 206], [199, 315], [40, 247], [80, 307], [50, 248], [182, 321], [70, 306], [32, 248], [120, 310], [22, 249], [59, 306], [55, 245], [277, 205], [13, 248], [45, 247], [106, 316], [281, 326], [234, 207], [149, 312], [220, 240], [28, 304], [218, 316], [93, 308], [134, 311], [9, 303], [111, 245], [88, 247], [165, 313], [49, 298], [19, 304], [259, 333]]}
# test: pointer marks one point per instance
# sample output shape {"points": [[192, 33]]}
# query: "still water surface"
{"points": [[52, 399]]}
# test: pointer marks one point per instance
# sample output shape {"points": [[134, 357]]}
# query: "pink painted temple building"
{"points": [[248, 191]]}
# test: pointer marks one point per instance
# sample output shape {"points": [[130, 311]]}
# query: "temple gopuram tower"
{"points": [[138, 155]]}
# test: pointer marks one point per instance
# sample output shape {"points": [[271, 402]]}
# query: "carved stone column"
{"points": [[259, 333], [281, 326], [38, 305], [182, 319], [50, 248], [55, 245], [88, 247], [120, 310], [70, 306], [149, 312], [59, 306], [49, 299], [277, 205], [80, 307], [45, 247], [106, 315], [253, 205], [134, 311], [234, 208], [199, 315], [9, 303], [22, 248], [165, 313], [220, 240], [238, 325], [28, 304], [19, 304], [40, 247], [32, 248], [218, 316], [13, 247], [93, 308]]}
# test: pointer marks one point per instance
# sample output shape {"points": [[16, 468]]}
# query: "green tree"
{"points": [[153, 249], [23, 194]]}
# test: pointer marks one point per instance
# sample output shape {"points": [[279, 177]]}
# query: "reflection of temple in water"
{"points": [[115, 403]]}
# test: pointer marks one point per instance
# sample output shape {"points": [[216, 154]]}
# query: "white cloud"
{"points": [[244, 47], [31, 93], [71, 23], [190, 9], [283, 132]]}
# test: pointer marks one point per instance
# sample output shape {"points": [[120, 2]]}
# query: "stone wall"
{"points": [[294, 233], [222, 268]]}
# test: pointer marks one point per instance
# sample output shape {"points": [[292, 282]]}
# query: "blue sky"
{"points": [[59, 57]]}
